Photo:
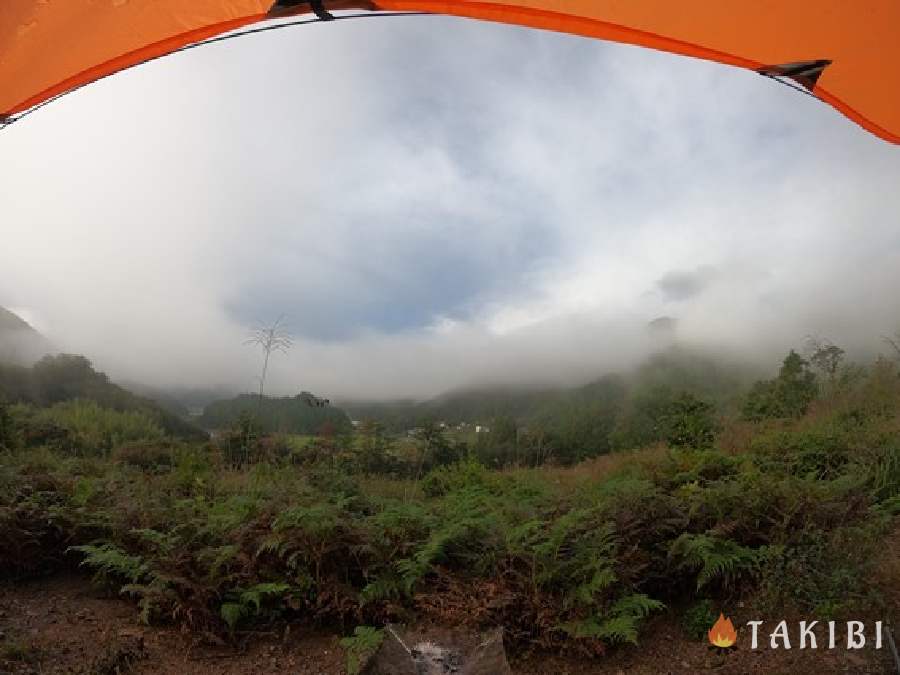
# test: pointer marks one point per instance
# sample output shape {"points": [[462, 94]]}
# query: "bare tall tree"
{"points": [[273, 338], [894, 342], [824, 355]]}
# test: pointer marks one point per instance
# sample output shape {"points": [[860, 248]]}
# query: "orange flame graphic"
{"points": [[723, 634]]}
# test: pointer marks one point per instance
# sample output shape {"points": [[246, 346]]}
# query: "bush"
{"points": [[91, 429], [7, 431], [144, 455], [698, 617], [699, 467], [446, 479], [825, 573], [239, 444], [439, 451], [36, 430]]}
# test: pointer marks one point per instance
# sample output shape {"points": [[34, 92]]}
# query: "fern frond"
{"points": [[110, 561], [714, 558]]}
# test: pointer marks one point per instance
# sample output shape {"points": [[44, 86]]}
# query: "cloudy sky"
{"points": [[433, 202]]}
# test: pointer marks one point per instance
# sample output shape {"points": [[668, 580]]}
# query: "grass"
{"points": [[592, 470]]}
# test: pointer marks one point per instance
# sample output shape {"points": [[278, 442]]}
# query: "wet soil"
{"points": [[65, 625]]}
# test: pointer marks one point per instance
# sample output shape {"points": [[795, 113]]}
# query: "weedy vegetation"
{"points": [[254, 530]]}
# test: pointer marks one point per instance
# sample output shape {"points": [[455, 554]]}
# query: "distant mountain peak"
{"points": [[12, 321], [20, 343], [663, 328]]}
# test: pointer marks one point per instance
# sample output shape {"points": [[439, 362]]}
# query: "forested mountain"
{"points": [[68, 377], [676, 368], [614, 412], [472, 405]]}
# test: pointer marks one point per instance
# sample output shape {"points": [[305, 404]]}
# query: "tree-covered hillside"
{"points": [[618, 411], [68, 377]]}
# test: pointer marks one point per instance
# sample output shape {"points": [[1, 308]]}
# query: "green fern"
{"points": [[244, 603], [620, 623], [162, 542], [84, 490], [110, 562], [319, 520], [715, 559], [637, 605], [274, 544], [232, 613], [885, 476], [414, 568], [385, 587], [218, 558], [225, 516], [364, 642], [152, 596], [256, 594], [578, 554]]}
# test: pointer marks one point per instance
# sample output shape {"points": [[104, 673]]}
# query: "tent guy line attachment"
{"points": [[789, 84], [6, 122], [317, 6], [805, 73], [399, 639], [801, 76], [319, 10]]}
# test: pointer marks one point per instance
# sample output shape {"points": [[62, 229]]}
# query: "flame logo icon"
{"points": [[723, 634]]}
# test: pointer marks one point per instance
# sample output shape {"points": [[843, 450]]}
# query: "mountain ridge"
{"points": [[20, 342]]}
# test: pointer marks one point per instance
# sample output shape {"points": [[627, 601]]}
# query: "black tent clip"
{"points": [[282, 6], [806, 73]]}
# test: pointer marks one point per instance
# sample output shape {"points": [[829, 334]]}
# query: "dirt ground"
{"points": [[63, 625]]}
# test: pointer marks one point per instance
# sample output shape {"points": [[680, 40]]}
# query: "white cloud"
{"points": [[436, 201]]}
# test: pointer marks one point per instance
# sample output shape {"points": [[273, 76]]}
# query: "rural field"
{"points": [[126, 548]]}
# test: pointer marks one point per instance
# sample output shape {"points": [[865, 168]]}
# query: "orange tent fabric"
{"points": [[48, 47]]}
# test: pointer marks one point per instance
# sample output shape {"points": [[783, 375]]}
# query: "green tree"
{"points": [[578, 424], [439, 451], [499, 446], [373, 448], [641, 422], [879, 393], [690, 423], [65, 377], [504, 430], [788, 395]]}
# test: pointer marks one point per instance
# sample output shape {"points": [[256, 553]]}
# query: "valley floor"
{"points": [[64, 625]]}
